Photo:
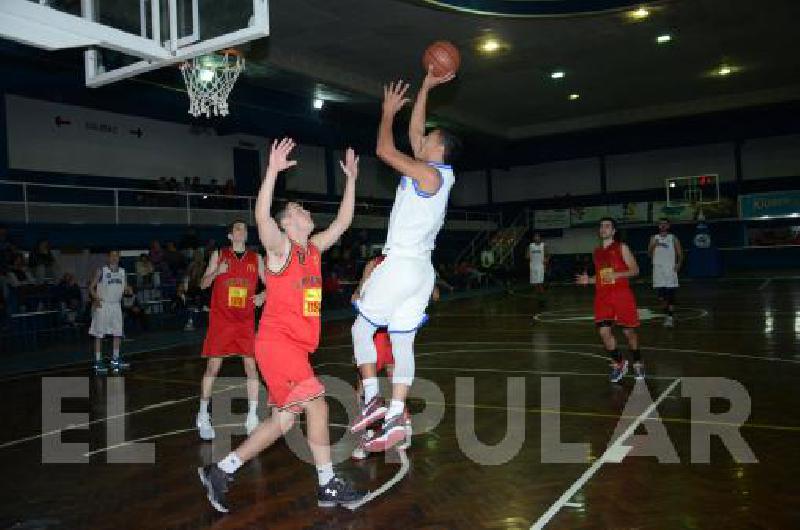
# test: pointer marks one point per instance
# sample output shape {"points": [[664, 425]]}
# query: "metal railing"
{"points": [[34, 202]]}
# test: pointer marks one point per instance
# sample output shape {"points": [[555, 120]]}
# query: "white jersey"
{"points": [[664, 251], [111, 284], [417, 216], [536, 254]]}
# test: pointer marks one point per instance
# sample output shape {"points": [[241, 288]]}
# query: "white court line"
{"points": [[402, 472], [147, 408], [499, 371], [766, 282], [611, 454], [82, 364], [593, 345], [179, 431]]}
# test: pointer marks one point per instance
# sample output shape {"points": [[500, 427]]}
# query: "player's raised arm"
{"points": [[212, 271], [416, 127], [273, 239], [427, 177], [326, 239]]}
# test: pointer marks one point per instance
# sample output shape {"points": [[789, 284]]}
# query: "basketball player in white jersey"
{"points": [[537, 256], [105, 290], [398, 290], [667, 256]]}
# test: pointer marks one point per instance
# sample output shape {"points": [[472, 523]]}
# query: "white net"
{"points": [[209, 81]]}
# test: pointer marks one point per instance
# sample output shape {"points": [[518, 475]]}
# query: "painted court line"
{"points": [[147, 408], [175, 432], [611, 454], [402, 472]]}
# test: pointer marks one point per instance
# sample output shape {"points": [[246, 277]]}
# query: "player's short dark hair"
{"points": [[452, 146], [610, 220], [663, 219], [236, 222]]}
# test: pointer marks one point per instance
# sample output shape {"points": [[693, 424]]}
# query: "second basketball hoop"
{"points": [[209, 81]]}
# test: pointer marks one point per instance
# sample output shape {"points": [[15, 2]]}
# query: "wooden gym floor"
{"points": [[747, 330]]}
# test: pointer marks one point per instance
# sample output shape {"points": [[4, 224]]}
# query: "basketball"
{"points": [[443, 56]]}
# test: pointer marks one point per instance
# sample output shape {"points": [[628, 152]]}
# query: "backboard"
{"points": [[693, 190], [125, 38]]}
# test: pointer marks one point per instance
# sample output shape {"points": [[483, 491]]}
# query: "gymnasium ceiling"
{"points": [[343, 50], [621, 73]]}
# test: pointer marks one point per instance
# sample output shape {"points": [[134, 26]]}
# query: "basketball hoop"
{"points": [[209, 81]]}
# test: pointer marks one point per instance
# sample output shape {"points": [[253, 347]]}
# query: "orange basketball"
{"points": [[443, 56]]}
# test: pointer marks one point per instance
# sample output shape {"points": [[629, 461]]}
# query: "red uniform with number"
{"points": [[232, 320], [289, 329], [613, 299], [383, 343]]}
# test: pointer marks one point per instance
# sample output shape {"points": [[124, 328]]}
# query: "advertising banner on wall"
{"points": [[635, 212], [774, 204], [725, 208], [590, 215], [550, 219]]}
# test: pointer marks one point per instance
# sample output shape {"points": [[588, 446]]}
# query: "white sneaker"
{"points": [[251, 423], [669, 322], [204, 427]]}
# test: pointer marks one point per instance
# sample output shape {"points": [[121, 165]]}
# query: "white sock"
{"points": [[204, 407], [395, 408], [253, 407], [370, 388], [230, 463], [116, 354], [324, 474]]}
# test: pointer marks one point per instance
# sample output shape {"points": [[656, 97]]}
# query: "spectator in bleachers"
{"points": [[157, 256], [194, 275], [144, 272], [132, 310], [67, 294], [176, 263], [21, 288], [42, 263], [19, 274]]}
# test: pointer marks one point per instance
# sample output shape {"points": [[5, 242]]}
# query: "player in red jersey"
{"points": [[289, 333], [614, 303], [234, 273]]}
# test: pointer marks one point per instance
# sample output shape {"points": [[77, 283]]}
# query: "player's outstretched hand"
{"points": [[350, 163], [394, 97], [279, 154], [432, 80], [582, 279]]}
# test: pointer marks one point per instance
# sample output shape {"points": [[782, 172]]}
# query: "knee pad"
{"points": [[363, 345]]}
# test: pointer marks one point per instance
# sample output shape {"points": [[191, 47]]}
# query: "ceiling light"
{"points": [[558, 74], [663, 39], [573, 97], [490, 45], [724, 70], [639, 14], [318, 103]]}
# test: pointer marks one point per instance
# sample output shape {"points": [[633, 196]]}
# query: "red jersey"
{"points": [[231, 326], [294, 298], [606, 261], [233, 290]]}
